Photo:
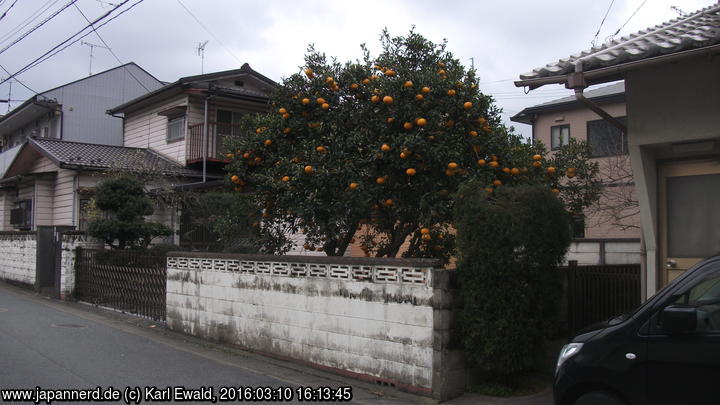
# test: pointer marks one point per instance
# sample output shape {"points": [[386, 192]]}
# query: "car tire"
{"points": [[598, 398]]}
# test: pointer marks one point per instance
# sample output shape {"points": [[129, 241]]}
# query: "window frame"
{"points": [[174, 121], [624, 149], [560, 128]]}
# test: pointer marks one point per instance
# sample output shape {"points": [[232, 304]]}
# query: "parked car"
{"points": [[665, 352]]}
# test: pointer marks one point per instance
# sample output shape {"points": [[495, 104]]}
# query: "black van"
{"points": [[666, 352]]}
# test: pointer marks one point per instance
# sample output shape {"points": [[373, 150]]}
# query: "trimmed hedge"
{"points": [[510, 243]]}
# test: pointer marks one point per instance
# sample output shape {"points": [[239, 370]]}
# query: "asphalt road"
{"points": [[62, 345]]}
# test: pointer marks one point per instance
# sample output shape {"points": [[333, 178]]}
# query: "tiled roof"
{"points": [[103, 157], [611, 90], [697, 30]]}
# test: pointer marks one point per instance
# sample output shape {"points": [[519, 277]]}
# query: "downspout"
{"points": [[205, 139], [576, 81]]}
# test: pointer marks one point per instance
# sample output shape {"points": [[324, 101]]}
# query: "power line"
{"points": [[43, 22], [21, 83], [601, 24], [6, 11], [209, 32], [52, 52], [109, 48], [29, 20], [630, 18]]}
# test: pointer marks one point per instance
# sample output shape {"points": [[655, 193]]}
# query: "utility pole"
{"points": [[201, 54], [9, 94], [92, 47]]}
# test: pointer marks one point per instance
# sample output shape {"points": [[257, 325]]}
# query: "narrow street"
{"points": [[63, 345]]}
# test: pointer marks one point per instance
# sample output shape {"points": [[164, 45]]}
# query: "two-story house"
{"points": [[609, 231], [73, 113]]}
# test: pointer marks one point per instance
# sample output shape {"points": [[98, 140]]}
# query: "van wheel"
{"points": [[598, 398]]}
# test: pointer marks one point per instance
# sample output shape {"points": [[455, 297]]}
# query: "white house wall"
{"points": [[147, 129]]}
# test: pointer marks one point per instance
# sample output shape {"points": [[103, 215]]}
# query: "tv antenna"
{"points": [[678, 10], [92, 48], [201, 54]]}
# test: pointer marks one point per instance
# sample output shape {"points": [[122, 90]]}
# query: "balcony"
{"points": [[217, 132]]}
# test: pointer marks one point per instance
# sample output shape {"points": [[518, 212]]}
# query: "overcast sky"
{"points": [[504, 38]]}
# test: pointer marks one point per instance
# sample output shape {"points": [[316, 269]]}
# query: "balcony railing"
{"points": [[217, 132]]}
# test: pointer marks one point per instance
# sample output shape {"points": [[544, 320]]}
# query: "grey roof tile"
{"points": [[106, 157], [697, 30]]}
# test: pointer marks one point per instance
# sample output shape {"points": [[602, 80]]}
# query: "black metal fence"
{"points": [[133, 282], [597, 293]]}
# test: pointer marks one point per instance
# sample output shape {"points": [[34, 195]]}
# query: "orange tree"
{"points": [[386, 142]]}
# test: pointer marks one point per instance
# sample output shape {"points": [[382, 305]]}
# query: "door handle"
{"points": [[671, 264]]}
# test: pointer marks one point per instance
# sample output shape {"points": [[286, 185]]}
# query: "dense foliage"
{"points": [[122, 206], [510, 244], [380, 146]]}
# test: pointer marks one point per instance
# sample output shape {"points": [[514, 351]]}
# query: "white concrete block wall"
{"points": [[70, 242], [382, 327], [18, 258]]}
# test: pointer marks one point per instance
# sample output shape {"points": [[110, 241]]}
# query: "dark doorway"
{"points": [[49, 252]]}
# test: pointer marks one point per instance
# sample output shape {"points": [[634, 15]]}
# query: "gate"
{"points": [[130, 281], [597, 293], [49, 251]]}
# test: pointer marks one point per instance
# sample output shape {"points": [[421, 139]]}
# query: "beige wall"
{"points": [[146, 129], [669, 104], [599, 224]]}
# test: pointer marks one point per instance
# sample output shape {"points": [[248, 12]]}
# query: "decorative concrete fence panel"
{"points": [[18, 258], [385, 320]]}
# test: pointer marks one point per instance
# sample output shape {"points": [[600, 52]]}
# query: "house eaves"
{"points": [[614, 93], [688, 36], [28, 111]]}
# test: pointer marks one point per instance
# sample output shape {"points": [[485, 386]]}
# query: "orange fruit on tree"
{"points": [[441, 71], [259, 130], [258, 159], [515, 171], [467, 105], [419, 97], [375, 99], [285, 178], [309, 72], [494, 163], [282, 111], [497, 182], [380, 180], [353, 186], [451, 92], [306, 101], [268, 142], [425, 90], [390, 73], [388, 202], [449, 172], [506, 170], [449, 123], [366, 81], [329, 79], [286, 115], [234, 178], [320, 100], [570, 174], [387, 100], [404, 155], [452, 165], [308, 169], [556, 191], [551, 170], [473, 133], [425, 231], [408, 84], [481, 162], [385, 147], [320, 149], [246, 155], [325, 106], [537, 164], [287, 131], [410, 171], [421, 122], [354, 86], [408, 125], [481, 121], [230, 155], [390, 120], [426, 237], [537, 157]]}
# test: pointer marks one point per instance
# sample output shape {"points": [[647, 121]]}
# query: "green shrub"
{"points": [[510, 243]]}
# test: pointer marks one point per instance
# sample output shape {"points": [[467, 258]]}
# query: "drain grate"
{"points": [[68, 325]]}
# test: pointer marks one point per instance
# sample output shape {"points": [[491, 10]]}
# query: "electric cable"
{"points": [[43, 22]]}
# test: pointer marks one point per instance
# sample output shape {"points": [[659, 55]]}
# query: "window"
{"points": [[21, 217], [227, 122], [705, 297], [578, 226], [175, 128], [605, 139], [559, 136]]}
